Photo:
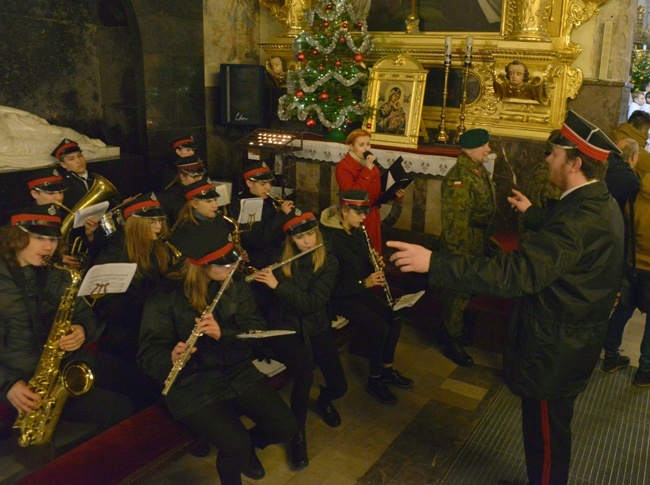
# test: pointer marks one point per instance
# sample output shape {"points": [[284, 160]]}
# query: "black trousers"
{"points": [[546, 427], [219, 422], [377, 323], [292, 351]]}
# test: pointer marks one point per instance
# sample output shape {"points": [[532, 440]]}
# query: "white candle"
{"points": [[448, 46], [468, 46]]}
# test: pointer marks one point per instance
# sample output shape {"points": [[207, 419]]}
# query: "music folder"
{"points": [[392, 180]]}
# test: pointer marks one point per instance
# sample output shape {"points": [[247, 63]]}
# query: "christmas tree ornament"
{"points": [[300, 57], [342, 40], [324, 96], [337, 63], [339, 99], [321, 68], [300, 94], [314, 52], [329, 6], [358, 57], [344, 25], [310, 122], [327, 59], [360, 25], [326, 24]]}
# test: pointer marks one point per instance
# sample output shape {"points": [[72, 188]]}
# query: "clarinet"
{"points": [[194, 336], [374, 258], [251, 277]]}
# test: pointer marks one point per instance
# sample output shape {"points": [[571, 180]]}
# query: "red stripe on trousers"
{"points": [[546, 438]]}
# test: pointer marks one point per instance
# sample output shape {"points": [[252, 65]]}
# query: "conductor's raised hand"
{"points": [[410, 257], [519, 201]]}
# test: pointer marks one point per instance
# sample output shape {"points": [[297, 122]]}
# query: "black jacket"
{"points": [[621, 180], [218, 370], [301, 301], [21, 340], [352, 252], [565, 278], [264, 239]]}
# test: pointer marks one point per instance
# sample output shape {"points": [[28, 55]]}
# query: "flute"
{"points": [[250, 277], [194, 336], [374, 257]]}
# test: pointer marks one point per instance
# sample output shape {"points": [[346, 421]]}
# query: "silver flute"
{"points": [[194, 336], [251, 277]]}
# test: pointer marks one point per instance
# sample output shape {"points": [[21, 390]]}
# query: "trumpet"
{"points": [[374, 258], [250, 277], [277, 202], [194, 336]]}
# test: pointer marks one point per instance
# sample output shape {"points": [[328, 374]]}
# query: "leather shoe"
{"points": [[641, 378], [395, 378], [254, 469], [377, 389], [615, 362], [299, 457], [456, 353], [328, 412]]}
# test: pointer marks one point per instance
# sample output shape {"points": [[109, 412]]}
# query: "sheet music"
{"points": [[407, 300], [248, 207], [95, 210], [269, 368], [224, 195], [107, 278], [389, 180]]}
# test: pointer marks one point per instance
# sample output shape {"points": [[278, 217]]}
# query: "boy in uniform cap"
{"points": [[263, 239], [46, 186], [353, 297], [189, 169], [468, 208], [30, 295], [184, 146], [565, 278], [219, 381]]}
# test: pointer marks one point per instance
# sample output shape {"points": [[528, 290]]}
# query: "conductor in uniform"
{"points": [[565, 278], [468, 207]]}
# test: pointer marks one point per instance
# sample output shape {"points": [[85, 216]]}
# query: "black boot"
{"points": [[254, 469], [299, 457], [328, 412], [455, 352]]}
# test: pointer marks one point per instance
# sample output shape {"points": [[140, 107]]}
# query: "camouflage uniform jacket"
{"points": [[468, 207]]}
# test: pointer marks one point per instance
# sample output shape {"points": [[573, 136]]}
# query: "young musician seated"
{"points": [[219, 381], [189, 169], [301, 291], [46, 186], [353, 296], [140, 243], [31, 292], [201, 204]]}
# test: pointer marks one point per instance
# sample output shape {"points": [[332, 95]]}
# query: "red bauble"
{"points": [[360, 25], [320, 68], [348, 121], [314, 52], [342, 40], [358, 57], [327, 59], [324, 96], [300, 94], [337, 63], [310, 122], [344, 25], [329, 6], [300, 57], [368, 125], [339, 99], [326, 24]]}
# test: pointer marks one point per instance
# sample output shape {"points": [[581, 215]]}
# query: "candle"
{"points": [[448, 46], [468, 46], [413, 8]]}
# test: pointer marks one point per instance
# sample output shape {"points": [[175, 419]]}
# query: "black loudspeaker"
{"points": [[242, 94]]}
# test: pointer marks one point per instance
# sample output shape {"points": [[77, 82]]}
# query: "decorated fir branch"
{"points": [[641, 71], [330, 83]]}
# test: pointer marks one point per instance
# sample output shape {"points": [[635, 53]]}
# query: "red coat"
{"points": [[352, 175]]}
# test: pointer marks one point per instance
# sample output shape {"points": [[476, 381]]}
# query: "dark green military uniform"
{"points": [[468, 209]]}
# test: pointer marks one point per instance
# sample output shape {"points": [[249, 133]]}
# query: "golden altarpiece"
{"points": [[535, 34]]}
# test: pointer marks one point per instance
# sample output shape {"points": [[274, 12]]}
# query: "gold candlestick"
{"points": [[443, 136], [466, 66]]}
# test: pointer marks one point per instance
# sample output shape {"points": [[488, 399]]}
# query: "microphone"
{"points": [[375, 162]]}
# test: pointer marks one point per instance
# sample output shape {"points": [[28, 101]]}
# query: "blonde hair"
{"points": [[195, 285], [317, 257], [140, 244], [184, 215]]}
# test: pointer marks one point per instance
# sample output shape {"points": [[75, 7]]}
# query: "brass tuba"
{"points": [[100, 191]]}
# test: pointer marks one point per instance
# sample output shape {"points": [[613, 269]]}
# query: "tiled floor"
{"points": [[364, 448]]}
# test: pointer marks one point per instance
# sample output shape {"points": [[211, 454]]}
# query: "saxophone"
{"points": [[37, 426], [374, 258]]}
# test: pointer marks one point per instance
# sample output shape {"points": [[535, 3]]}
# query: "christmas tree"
{"points": [[330, 83], [641, 71]]}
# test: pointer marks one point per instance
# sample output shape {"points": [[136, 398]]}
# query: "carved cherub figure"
{"points": [[516, 82]]}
